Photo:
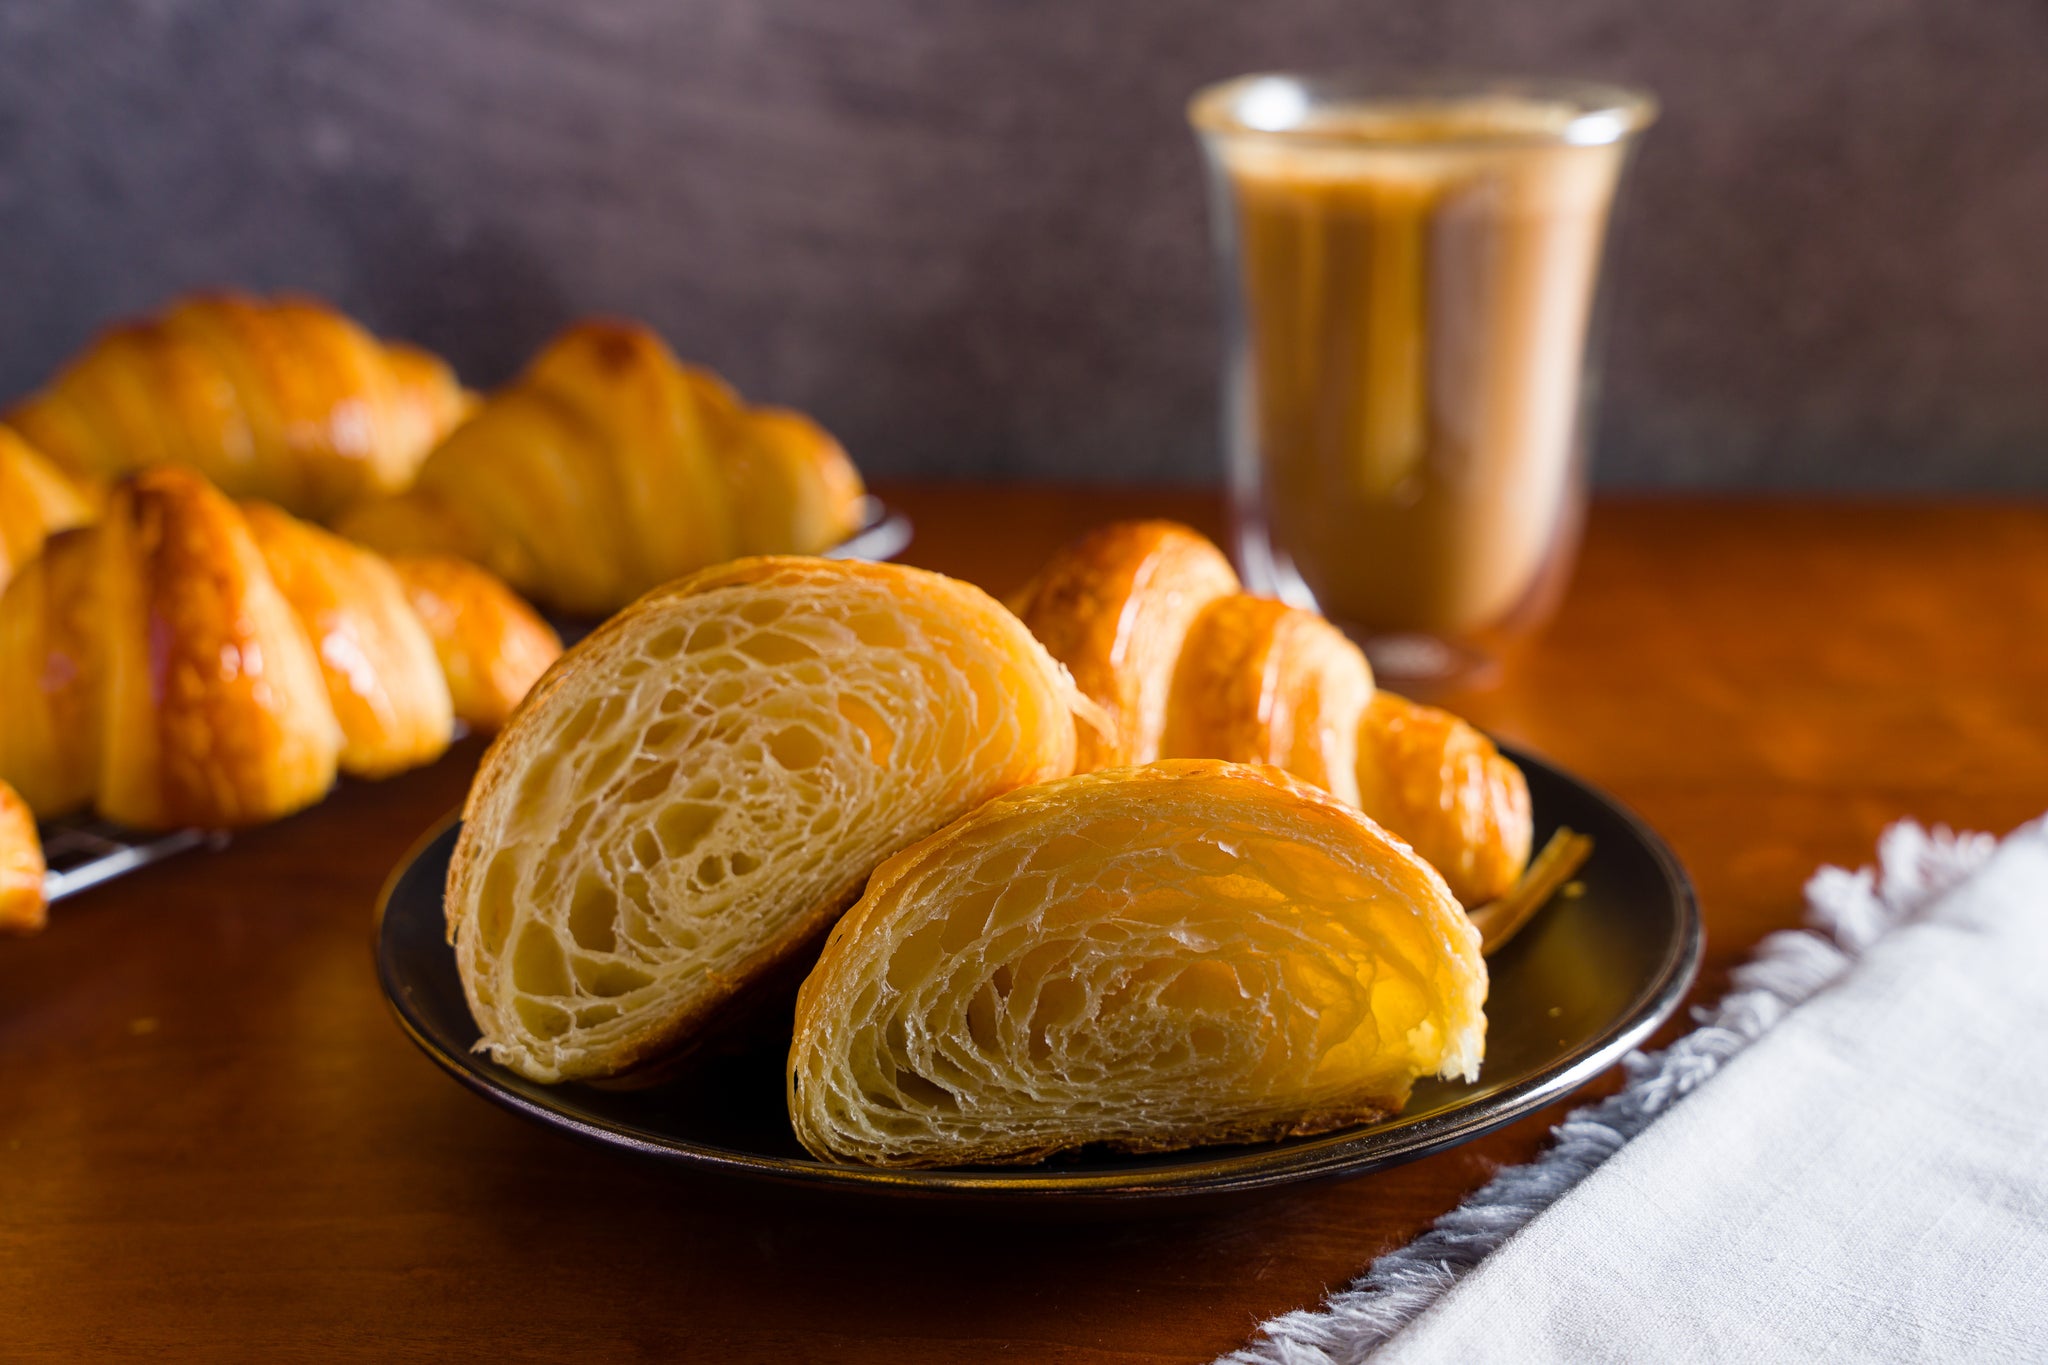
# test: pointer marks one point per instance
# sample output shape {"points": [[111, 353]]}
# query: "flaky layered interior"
{"points": [[1149, 958], [699, 788]]}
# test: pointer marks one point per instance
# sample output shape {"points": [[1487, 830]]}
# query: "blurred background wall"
{"points": [[970, 236]]}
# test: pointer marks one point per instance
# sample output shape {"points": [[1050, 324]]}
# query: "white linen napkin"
{"points": [[1865, 1180]]}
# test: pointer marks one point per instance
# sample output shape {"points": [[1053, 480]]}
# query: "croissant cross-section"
{"points": [[1145, 958], [698, 789]]}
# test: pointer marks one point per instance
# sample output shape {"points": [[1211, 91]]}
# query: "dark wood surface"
{"points": [[215, 1143]]}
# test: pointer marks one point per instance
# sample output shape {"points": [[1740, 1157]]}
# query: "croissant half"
{"points": [[1148, 617], [1148, 958], [702, 785], [188, 662], [283, 399], [608, 468]]}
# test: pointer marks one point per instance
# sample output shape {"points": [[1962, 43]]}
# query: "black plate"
{"points": [[1586, 981]]}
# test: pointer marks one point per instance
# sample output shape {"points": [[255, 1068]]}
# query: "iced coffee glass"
{"points": [[1411, 272]]}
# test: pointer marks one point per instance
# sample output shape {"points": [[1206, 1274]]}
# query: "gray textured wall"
{"points": [[969, 235]]}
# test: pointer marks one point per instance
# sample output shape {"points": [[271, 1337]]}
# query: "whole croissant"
{"points": [[1149, 619], [282, 399], [608, 468], [186, 661]]}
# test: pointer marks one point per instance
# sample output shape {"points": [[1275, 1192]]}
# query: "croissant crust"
{"points": [[186, 661], [1148, 617], [21, 867], [1146, 958], [492, 646], [608, 468], [36, 501], [1114, 607], [702, 785], [1446, 789], [283, 399]]}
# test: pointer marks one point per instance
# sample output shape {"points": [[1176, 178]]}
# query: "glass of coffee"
{"points": [[1410, 271]]}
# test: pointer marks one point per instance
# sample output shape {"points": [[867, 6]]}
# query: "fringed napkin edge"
{"points": [[1849, 911]]}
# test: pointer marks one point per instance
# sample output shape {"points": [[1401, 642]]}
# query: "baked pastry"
{"points": [[1262, 682], [699, 788], [36, 500], [283, 399], [49, 677], [1145, 958], [608, 468], [188, 662], [22, 910], [383, 676], [1115, 607], [1148, 617], [1448, 790], [492, 646], [193, 696]]}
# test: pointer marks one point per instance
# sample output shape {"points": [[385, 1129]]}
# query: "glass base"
{"points": [[1423, 665], [1413, 663]]}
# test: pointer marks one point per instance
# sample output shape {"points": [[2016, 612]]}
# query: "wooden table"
{"points": [[215, 1143]]}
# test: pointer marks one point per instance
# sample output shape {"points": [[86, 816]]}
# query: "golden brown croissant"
{"points": [[1147, 617], [1146, 958], [608, 468], [49, 667], [1262, 682], [1446, 789], [282, 399], [1080, 606], [22, 910], [210, 706], [493, 647], [188, 662], [383, 676], [695, 792], [36, 500]]}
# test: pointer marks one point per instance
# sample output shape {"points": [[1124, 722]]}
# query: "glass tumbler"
{"points": [[1410, 271]]}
